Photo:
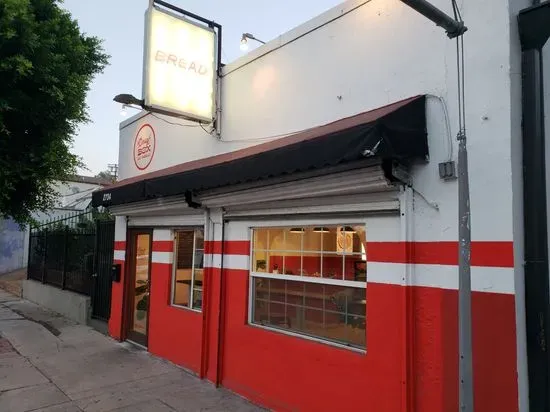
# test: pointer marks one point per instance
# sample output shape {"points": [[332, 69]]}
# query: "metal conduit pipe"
{"points": [[451, 26]]}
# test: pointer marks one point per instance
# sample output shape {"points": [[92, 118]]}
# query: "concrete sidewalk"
{"points": [[50, 364]]}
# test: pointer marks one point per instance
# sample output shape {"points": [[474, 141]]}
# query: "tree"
{"points": [[106, 174], [46, 67]]}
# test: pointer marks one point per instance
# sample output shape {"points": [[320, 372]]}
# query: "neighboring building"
{"points": [[74, 197], [319, 271], [12, 246]]}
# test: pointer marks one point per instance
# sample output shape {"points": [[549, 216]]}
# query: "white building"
{"points": [[74, 197], [322, 143]]}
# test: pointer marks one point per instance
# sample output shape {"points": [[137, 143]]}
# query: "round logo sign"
{"points": [[144, 146]]}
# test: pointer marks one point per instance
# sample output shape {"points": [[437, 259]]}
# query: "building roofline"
{"points": [[294, 34]]}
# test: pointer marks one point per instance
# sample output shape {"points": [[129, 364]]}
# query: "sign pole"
{"points": [[466, 391], [455, 28]]}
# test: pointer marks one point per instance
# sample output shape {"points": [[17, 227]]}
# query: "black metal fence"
{"points": [[104, 251], [62, 252]]}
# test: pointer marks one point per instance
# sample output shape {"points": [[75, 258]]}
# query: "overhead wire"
{"points": [[201, 125], [172, 123], [460, 62]]}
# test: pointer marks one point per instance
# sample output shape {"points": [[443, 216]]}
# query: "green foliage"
{"points": [[106, 175], [46, 67], [74, 223]]}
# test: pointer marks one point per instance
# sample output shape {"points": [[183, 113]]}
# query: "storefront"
{"points": [[317, 269]]}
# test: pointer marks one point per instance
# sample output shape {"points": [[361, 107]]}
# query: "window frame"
{"points": [[175, 267], [252, 275]]}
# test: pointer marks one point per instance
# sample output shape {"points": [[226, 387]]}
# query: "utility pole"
{"points": [[455, 28], [113, 171]]}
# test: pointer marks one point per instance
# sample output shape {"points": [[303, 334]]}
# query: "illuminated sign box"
{"points": [[180, 66]]}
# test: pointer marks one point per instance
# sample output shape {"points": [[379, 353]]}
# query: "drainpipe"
{"points": [[534, 32], [221, 311], [205, 298]]}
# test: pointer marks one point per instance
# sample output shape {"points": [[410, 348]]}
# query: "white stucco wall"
{"points": [[356, 57]]}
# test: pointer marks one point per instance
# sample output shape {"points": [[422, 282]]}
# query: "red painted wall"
{"points": [[174, 333], [435, 352], [212, 290], [411, 362], [288, 373]]}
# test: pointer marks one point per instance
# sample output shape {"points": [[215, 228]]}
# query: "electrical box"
{"points": [[447, 170], [115, 272]]}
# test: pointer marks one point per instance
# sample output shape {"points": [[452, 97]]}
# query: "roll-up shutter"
{"points": [[168, 212], [361, 191]]}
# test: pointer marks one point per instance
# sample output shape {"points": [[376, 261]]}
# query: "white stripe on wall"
{"points": [[120, 228], [163, 257], [238, 262], [119, 255], [484, 279], [162, 234]]}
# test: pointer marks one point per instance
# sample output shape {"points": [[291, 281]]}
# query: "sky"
{"points": [[120, 24]]}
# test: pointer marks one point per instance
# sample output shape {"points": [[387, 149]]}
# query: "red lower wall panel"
{"points": [[288, 373], [435, 359], [174, 333], [117, 297], [213, 297]]}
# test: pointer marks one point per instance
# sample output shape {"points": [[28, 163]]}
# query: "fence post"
{"points": [[97, 243], [29, 253], [95, 264], [65, 253], [45, 255]]}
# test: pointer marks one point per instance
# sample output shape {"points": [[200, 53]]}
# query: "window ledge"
{"points": [[307, 337], [172, 305]]}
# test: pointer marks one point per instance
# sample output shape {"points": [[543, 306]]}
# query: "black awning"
{"points": [[396, 132]]}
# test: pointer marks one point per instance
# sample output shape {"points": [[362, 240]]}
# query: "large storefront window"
{"points": [[311, 281], [188, 268]]}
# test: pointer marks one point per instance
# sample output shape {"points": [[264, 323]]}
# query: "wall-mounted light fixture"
{"points": [[244, 40], [123, 111]]}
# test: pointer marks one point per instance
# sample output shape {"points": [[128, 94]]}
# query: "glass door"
{"points": [[137, 314]]}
